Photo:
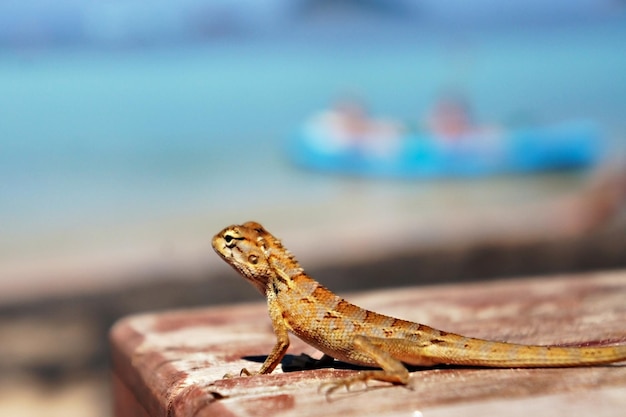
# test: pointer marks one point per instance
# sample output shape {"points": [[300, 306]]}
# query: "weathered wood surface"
{"points": [[172, 363]]}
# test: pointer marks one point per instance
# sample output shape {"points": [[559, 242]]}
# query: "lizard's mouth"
{"points": [[227, 252], [220, 247]]}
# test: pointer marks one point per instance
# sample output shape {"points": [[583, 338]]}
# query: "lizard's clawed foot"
{"points": [[395, 379], [329, 387]]}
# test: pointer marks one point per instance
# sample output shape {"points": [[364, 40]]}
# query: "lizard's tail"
{"points": [[460, 350]]}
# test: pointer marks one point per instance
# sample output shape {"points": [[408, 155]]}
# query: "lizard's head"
{"points": [[245, 248]]}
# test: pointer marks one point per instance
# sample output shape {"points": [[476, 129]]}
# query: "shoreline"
{"points": [[357, 223]]}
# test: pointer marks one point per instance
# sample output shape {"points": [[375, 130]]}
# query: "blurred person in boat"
{"points": [[451, 119], [451, 124], [348, 126]]}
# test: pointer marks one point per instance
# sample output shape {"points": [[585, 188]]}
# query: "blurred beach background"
{"points": [[131, 132]]}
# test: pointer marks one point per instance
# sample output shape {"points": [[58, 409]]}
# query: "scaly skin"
{"points": [[300, 305]]}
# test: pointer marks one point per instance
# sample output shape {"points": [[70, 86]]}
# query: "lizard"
{"points": [[343, 331]]}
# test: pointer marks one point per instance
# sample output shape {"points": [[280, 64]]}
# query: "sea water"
{"points": [[92, 135]]}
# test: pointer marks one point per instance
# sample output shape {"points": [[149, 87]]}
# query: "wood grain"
{"points": [[172, 363]]}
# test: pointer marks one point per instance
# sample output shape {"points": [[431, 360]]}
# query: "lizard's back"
{"points": [[329, 322]]}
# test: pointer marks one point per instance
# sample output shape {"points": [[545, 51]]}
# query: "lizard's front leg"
{"points": [[282, 339], [392, 371], [282, 336]]}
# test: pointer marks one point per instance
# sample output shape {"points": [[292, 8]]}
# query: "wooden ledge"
{"points": [[172, 363]]}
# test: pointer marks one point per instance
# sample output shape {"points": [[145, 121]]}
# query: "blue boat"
{"points": [[571, 145]]}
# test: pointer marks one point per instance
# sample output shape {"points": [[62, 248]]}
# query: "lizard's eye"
{"points": [[230, 239], [253, 259]]}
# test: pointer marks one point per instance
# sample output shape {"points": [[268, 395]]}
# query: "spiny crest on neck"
{"points": [[277, 254], [284, 256]]}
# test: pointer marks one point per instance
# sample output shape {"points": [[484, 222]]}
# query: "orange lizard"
{"points": [[341, 330]]}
